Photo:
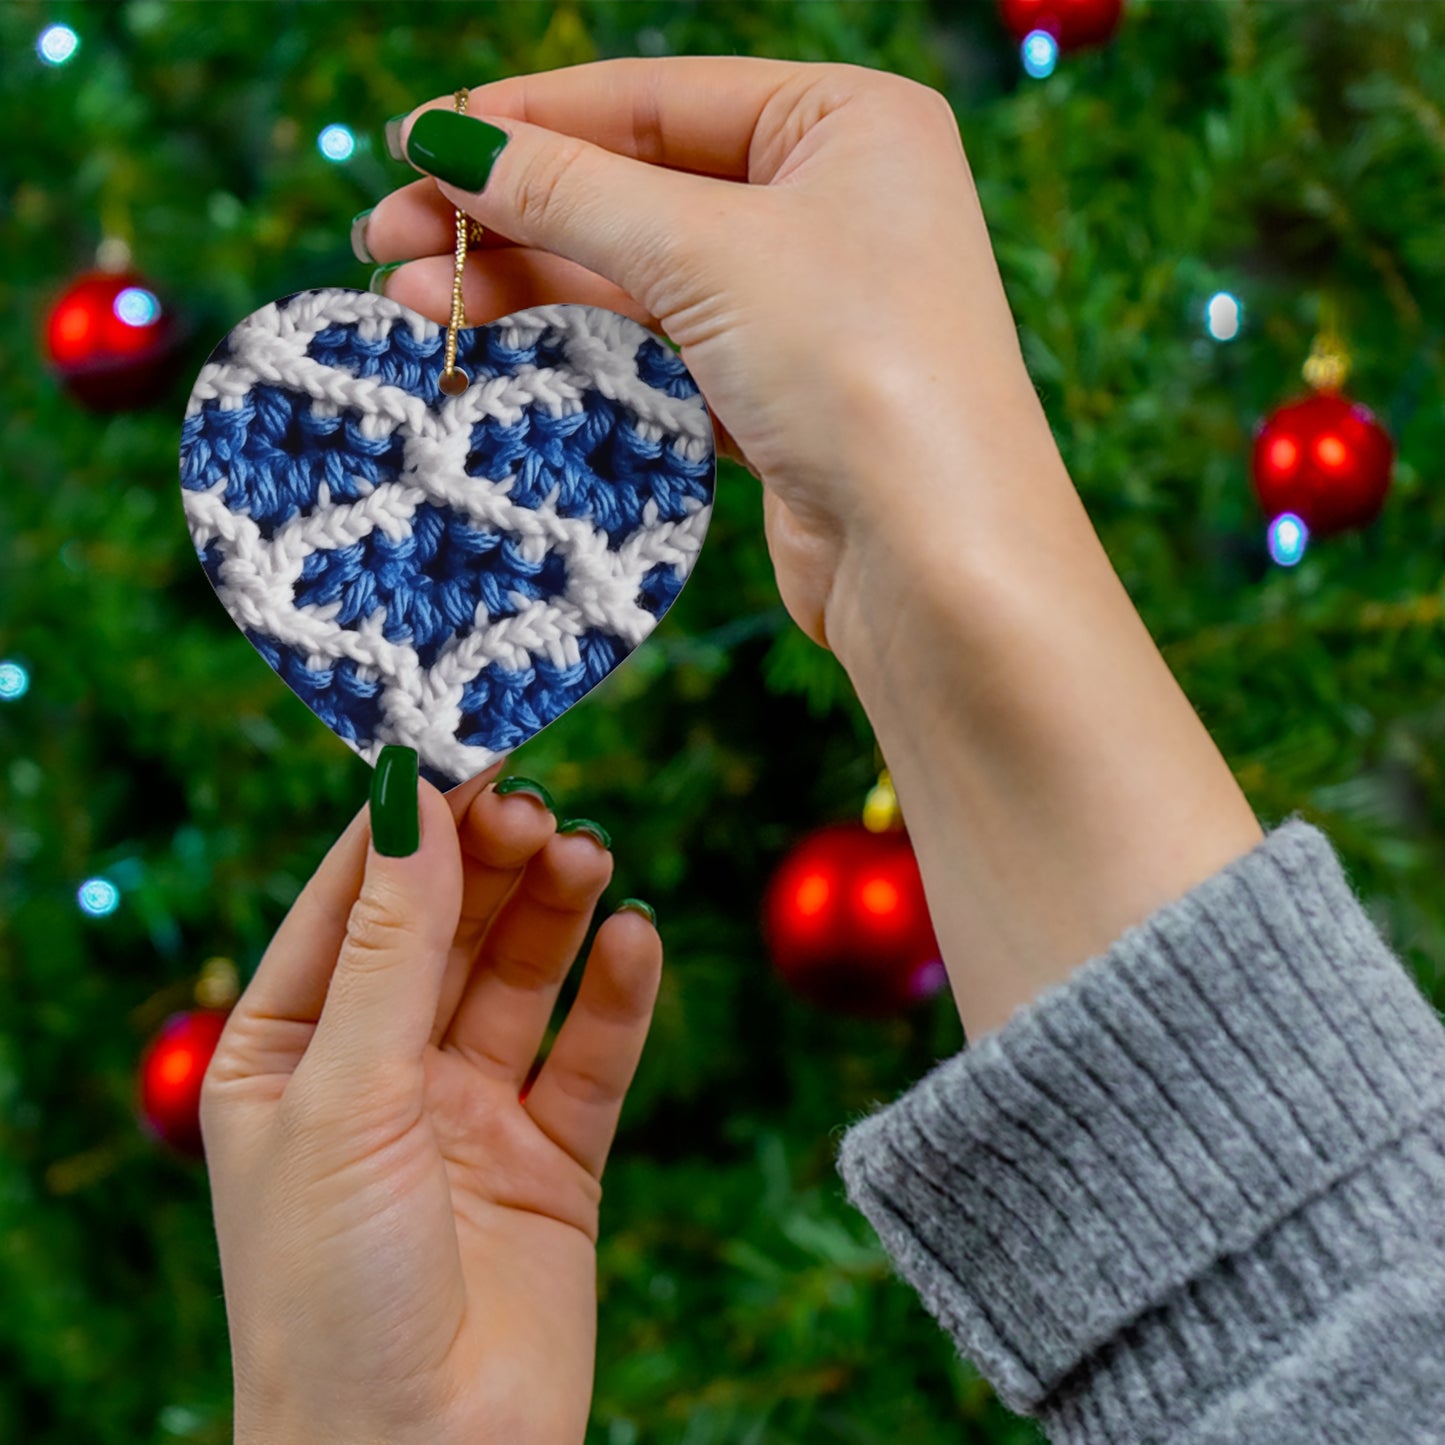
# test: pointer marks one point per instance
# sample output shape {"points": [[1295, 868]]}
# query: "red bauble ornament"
{"points": [[1324, 458], [112, 342], [1073, 23], [171, 1071], [847, 924]]}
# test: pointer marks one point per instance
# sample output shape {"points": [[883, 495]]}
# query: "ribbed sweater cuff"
{"points": [[1119, 1147]]}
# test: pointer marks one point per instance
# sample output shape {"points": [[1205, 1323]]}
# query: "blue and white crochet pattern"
{"points": [[447, 572]]}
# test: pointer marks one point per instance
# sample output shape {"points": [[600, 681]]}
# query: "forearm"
{"points": [[1056, 782]]}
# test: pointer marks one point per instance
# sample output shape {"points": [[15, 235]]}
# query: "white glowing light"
{"points": [[98, 897], [1288, 538], [14, 681], [1223, 316], [336, 143], [57, 44], [1040, 52], [136, 306]]}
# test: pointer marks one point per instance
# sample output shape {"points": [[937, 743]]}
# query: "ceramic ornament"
{"points": [[449, 572]]}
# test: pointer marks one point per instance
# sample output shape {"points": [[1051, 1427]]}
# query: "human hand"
{"points": [[407, 1246], [811, 238], [843, 300]]}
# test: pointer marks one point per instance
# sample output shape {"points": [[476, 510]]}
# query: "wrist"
{"points": [[1056, 782]]}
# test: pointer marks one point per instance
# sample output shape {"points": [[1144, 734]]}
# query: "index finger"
{"points": [[695, 113]]}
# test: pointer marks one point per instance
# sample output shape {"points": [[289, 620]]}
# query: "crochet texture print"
{"points": [[450, 573]]}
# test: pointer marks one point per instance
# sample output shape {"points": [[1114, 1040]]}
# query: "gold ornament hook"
{"points": [[1328, 366], [454, 380]]}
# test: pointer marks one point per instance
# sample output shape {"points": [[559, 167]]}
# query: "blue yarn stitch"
{"points": [[273, 451]]}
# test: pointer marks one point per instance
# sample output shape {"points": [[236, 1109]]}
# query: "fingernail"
{"points": [[377, 284], [359, 248], [526, 785], [586, 825], [455, 148], [393, 136], [636, 905], [395, 820]]}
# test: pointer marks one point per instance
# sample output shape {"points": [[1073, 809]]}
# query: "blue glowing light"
{"points": [[336, 143], [1288, 538], [1223, 316], [98, 897], [14, 681], [57, 44], [137, 307], [1040, 53]]}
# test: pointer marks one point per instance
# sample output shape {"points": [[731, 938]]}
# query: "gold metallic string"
{"points": [[454, 380]]}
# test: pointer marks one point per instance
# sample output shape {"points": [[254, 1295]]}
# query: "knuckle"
{"points": [[847, 76], [373, 932], [924, 101], [542, 190], [587, 1086], [520, 970]]}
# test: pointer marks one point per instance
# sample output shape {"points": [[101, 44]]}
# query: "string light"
{"points": [[98, 897], [1288, 538], [1223, 316], [57, 44], [336, 143], [14, 681], [136, 306], [1040, 52]]}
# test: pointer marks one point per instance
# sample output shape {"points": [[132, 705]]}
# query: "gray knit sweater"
{"points": [[1197, 1191]]}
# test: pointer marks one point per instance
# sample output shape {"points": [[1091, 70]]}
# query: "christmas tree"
{"points": [[1180, 214]]}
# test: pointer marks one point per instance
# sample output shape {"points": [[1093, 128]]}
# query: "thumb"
{"points": [[382, 999], [640, 226]]}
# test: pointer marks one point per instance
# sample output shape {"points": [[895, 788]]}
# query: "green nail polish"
{"points": [[377, 284], [395, 821], [636, 905], [455, 148], [526, 785], [393, 136], [359, 248], [586, 825]]}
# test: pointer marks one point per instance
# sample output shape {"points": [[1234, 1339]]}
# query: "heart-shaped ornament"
{"points": [[447, 572]]}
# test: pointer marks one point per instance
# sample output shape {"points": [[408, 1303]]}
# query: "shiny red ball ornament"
{"points": [[1326, 459], [111, 341], [171, 1071], [1073, 23], [847, 924]]}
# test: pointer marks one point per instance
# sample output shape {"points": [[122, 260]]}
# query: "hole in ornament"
{"points": [[454, 383]]}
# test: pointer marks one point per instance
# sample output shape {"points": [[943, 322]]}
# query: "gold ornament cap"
{"points": [[880, 809], [1328, 365], [219, 985]]}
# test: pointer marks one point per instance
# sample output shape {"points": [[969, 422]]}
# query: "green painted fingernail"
{"points": [[359, 248], [377, 284], [586, 825], [393, 136], [636, 905], [526, 785], [455, 148], [395, 820]]}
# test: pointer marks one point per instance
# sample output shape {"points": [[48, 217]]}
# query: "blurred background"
{"points": [[1193, 204]]}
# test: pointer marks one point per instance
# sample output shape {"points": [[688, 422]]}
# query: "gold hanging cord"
{"points": [[454, 380]]}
